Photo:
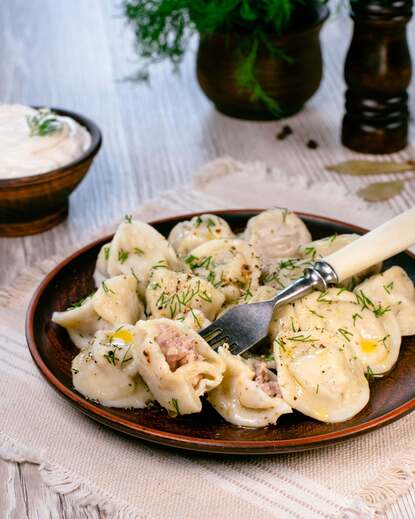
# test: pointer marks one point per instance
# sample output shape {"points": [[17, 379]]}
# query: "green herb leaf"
{"points": [[106, 289], [175, 404], [44, 122], [369, 374], [122, 255]]}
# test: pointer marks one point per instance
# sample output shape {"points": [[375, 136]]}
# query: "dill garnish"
{"points": [[379, 311], [345, 333], [356, 316], [302, 338], [175, 404], [44, 122], [106, 289], [111, 358], [369, 374], [77, 304], [123, 255]]}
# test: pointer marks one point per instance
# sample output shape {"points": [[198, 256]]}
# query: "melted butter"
{"points": [[368, 345], [123, 335], [321, 414]]}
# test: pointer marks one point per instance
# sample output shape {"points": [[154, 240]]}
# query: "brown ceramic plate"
{"points": [[52, 350]]}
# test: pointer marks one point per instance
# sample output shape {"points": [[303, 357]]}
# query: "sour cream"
{"points": [[26, 148]]}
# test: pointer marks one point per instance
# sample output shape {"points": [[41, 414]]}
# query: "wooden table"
{"points": [[75, 54]]}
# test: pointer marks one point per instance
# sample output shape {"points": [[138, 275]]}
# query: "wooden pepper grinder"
{"points": [[378, 72]]}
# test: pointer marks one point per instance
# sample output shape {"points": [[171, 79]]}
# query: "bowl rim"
{"points": [[104, 415], [54, 174]]}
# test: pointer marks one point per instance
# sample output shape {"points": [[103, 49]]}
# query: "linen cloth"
{"points": [[130, 478]]}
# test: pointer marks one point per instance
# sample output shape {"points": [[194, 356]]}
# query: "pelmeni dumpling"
{"points": [[248, 395], [114, 303], [284, 272], [230, 265], [107, 371], [320, 376], [194, 319], [177, 364], [372, 333], [392, 289], [135, 249], [171, 294], [101, 266], [276, 234], [186, 236]]}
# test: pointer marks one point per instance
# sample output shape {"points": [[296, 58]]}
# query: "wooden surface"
{"points": [[74, 54]]}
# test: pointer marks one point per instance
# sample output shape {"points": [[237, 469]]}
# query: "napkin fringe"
{"points": [[63, 482], [393, 483]]}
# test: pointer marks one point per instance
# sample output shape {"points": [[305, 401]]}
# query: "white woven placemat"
{"points": [[129, 478]]}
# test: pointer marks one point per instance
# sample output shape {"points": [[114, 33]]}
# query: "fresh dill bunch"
{"points": [[163, 29]]}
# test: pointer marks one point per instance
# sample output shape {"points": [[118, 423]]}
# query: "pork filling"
{"points": [[178, 348], [263, 378]]}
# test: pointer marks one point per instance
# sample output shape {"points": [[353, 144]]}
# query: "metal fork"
{"points": [[244, 326]]}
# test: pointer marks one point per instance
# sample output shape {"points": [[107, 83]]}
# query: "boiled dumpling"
{"points": [[231, 266], [107, 371], [194, 319], [101, 266], [284, 272], [189, 234], [177, 364], [395, 290], [171, 294], [276, 234], [115, 303], [248, 395], [135, 249], [262, 293], [319, 375], [373, 335]]}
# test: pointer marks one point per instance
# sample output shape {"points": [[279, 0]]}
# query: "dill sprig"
{"points": [[163, 30], [44, 122]]}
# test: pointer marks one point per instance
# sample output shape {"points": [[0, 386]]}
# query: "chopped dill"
{"points": [[106, 289], [123, 255]]}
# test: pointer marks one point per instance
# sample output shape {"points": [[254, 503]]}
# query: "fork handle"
{"points": [[385, 241]]}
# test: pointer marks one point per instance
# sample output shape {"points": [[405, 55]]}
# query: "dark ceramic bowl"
{"points": [[391, 397], [33, 204]]}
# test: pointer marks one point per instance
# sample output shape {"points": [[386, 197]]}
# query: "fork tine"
{"points": [[233, 348], [216, 342], [210, 332]]}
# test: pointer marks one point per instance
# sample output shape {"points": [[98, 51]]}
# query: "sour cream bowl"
{"points": [[35, 203]]}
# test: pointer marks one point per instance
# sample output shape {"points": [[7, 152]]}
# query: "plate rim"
{"points": [[183, 441]]}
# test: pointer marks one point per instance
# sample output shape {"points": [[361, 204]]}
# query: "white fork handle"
{"points": [[380, 244]]}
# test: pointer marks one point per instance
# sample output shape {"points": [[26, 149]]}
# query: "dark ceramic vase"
{"points": [[290, 82]]}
